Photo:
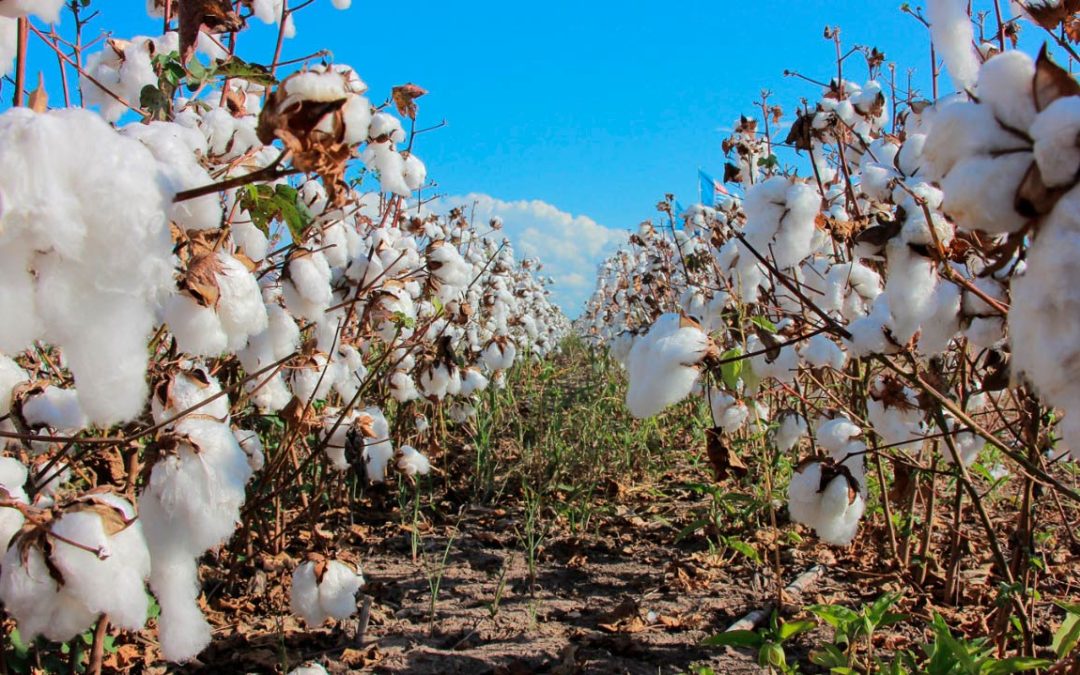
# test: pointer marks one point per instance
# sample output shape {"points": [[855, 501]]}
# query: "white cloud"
{"points": [[569, 246]]}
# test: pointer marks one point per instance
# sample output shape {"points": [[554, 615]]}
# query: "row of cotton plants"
{"points": [[906, 288], [178, 265]]}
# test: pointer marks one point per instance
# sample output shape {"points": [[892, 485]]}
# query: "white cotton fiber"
{"points": [[1005, 85], [76, 225], [953, 37], [1055, 131], [331, 596], [662, 365], [1044, 316], [413, 462]]}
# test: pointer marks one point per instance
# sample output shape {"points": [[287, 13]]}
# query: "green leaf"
{"points": [[1013, 664], [294, 213], [252, 72], [744, 548], [836, 616], [734, 638], [764, 324], [793, 628], [154, 102], [829, 656], [1066, 636], [731, 371]]}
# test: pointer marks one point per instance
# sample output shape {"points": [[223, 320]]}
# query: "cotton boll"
{"points": [[384, 125], [833, 435], [46, 10], [414, 172], [412, 462], [803, 502], [792, 427], [402, 387], [186, 389], [13, 475], [306, 289], [378, 450], [56, 408], [252, 446], [197, 329], [1055, 131], [910, 289], [662, 364], [324, 590], [114, 585], [314, 668], [953, 37], [961, 130], [1043, 323], [9, 40], [841, 509], [499, 355], [820, 352], [33, 598], [728, 413], [1005, 85], [240, 306], [944, 321], [309, 382], [980, 191]]}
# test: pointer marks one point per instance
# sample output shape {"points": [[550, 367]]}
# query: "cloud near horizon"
{"points": [[570, 247]]}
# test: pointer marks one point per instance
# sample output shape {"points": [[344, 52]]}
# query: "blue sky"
{"points": [[591, 110]]}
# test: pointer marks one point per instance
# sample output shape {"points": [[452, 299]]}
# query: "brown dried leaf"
{"points": [[405, 96], [39, 98], [201, 282], [1051, 81], [1033, 197], [724, 462], [212, 16]]}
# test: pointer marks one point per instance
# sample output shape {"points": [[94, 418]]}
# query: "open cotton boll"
{"points": [[894, 414], [270, 11], [1044, 316], [186, 389], [252, 446], [962, 129], [306, 288], [414, 172], [841, 509], [804, 504], [94, 299], [198, 330], [378, 450], [1005, 85], [240, 306], [389, 164], [56, 408], [980, 192], [385, 126], [315, 668], [115, 584], [910, 290], [953, 38], [662, 364], [833, 435], [35, 600], [402, 387], [499, 355], [820, 352], [783, 367], [324, 589], [792, 427], [968, 445], [943, 324], [1055, 131], [412, 462], [472, 381], [728, 413], [313, 379]]}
